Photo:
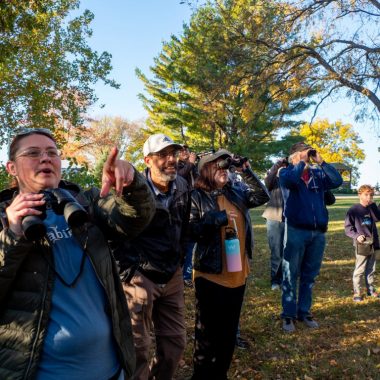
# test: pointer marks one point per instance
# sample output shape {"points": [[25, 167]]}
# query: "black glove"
{"points": [[215, 218]]}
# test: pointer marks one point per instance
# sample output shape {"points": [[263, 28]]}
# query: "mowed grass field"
{"points": [[347, 344]]}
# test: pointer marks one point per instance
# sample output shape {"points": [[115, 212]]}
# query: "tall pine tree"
{"points": [[212, 87]]}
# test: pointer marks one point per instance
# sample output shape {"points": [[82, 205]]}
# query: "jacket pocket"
{"points": [[206, 259]]}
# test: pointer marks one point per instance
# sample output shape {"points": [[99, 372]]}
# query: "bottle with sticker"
{"points": [[232, 248]]}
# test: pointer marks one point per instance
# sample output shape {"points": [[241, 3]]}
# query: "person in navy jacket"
{"points": [[306, 218]]}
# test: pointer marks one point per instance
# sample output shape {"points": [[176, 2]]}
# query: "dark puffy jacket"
{"points": [[158, 250], [206, 219], [304, 205], [26, 277], [188, 171]]}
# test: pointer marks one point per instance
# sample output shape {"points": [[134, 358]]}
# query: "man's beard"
{"points": [[166, 177]]}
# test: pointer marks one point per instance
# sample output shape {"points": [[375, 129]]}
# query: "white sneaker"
{"points": [[288, 325], [310, 322]]}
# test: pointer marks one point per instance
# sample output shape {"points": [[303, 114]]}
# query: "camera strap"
{"points": [[46, 255]]}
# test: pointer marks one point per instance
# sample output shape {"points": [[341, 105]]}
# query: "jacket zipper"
{"points": [[215, 202], [38, 325]]}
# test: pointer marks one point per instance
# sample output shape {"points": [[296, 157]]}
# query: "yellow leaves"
{"points": [[366, 92], [317, 36], [337, 142], [235, 90]]}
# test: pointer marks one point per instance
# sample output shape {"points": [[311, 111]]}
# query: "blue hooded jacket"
{"points": [[304, 205]]}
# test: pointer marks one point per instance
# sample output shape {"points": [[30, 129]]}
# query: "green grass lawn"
{"points": [[347, 344]]}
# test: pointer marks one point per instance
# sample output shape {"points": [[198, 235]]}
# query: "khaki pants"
{"points": [[161, 307], [364, 266]]}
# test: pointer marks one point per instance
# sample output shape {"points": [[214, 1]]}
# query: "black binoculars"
{"points": [[236, 161], [62, 203]]}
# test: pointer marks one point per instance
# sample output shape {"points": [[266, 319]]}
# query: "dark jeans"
{"points": [[275, 234], [303, 253], [216, 321], [188, 264]]}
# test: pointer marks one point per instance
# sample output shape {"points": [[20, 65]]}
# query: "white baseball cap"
{"points": [[155, 143]]}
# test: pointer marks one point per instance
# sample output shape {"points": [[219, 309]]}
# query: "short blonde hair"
{"points": [[366, 188]]}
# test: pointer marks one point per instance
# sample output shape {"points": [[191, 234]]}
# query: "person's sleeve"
{"points": [[290, 176], [256, 194], [349, 226], [375, 211], [128, 214], [271, 179], [332, 178], [185, 169], [201, 227], [13, 251]]}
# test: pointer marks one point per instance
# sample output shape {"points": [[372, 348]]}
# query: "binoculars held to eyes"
{"points": [[62, 203], [235, 161]]}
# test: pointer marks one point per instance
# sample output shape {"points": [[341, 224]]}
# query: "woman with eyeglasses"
{"points": [[63, 313], [221, 227]]}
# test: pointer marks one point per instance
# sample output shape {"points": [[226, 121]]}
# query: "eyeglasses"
{"points": [[24, 132], [38, 153], [173, 153]]}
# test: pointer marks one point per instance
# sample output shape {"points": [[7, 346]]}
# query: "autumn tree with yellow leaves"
{"points": [[88, 146], [336, 142], [93, 141]]}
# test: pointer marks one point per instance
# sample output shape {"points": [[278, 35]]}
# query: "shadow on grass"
{"points": [[347, 344]]}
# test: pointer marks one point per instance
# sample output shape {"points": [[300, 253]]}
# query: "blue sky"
{"points": [[133, 32]]}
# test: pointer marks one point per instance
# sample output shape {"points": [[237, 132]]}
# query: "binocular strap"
{"points": [[64, 282]]}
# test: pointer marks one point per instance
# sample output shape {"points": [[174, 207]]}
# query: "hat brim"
{"points": [[174, 145], [223, 153]]}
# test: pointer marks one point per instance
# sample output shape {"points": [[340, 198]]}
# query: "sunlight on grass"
{"points": [[347, 344], [337, 225], [338, 262]]}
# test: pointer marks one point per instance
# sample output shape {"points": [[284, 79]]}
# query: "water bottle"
{"points": [[232, 248]]}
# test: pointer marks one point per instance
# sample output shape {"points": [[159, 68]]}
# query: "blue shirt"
{"points": [[79, 343], [164, 198]]}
